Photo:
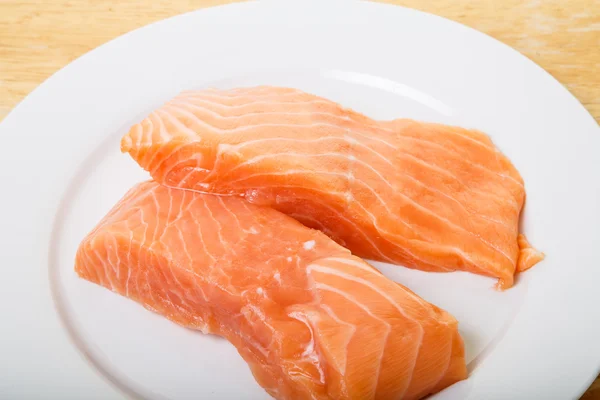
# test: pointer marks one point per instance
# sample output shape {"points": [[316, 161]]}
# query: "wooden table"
{"points": [[38, 38]]}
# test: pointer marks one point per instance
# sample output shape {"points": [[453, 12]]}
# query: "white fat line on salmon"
{"points": [[357, 263], [183, 243], [447, 173], [197, 101], [151, 153], [110, 244], [195, 109], [459, 203], [376, 288], [150, 292], [147, 136], [385, 206], [258, 90], [331, 271], [344, 138], [181, 304], [368, 136], [386, 325], [460, 156], [306, 172], [374, 125], [353, 131], [103, 278], [163, 133], [422, 184], [360, 162], [275, 125], [167, 291], [310, 347], [166, 174], [168, 220], [469, 138], [135, 133], [146, 130], [237, 220], [200, 236], [90, 257], [188, 271], [145, 223], [182, 183], [192, 297], [337, 319], [217, 223], [399, 136], [354, 160], [88, 263], [234, 148], [129, 262], [112, 259], [190, 134], [253, 343], [365, 236], [155, 227]]}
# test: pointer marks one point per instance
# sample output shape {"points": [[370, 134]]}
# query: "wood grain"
{"points": [[38, 38]]}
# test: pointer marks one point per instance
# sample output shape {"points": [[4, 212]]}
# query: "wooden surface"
{"points": [[39, 37]]}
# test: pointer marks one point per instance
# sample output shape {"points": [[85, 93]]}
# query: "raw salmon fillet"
{"points": [[423, 195], [311, 320]]}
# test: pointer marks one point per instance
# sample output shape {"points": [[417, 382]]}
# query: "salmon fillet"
{"points": [[311, 320], [423, 195]]}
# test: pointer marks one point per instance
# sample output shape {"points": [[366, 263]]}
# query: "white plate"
{"points": [[61, 171]]}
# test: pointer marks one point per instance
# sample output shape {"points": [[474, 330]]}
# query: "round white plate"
{"points": [[61, 170]]}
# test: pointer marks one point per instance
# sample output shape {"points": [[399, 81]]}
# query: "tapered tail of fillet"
{"points": [[528, 256]]}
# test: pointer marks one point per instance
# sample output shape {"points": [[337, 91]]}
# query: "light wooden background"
{"points": [[39, 37]]}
